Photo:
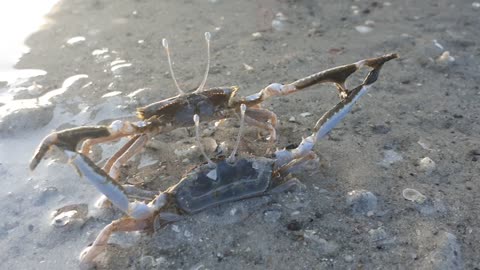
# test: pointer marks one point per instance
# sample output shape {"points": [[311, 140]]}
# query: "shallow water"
{"points": [[25, 22]]}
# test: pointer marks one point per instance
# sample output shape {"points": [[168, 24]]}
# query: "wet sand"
{"points": [[99, 54]]}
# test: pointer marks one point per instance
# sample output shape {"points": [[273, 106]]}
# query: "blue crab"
{"points": [[216, 182]]}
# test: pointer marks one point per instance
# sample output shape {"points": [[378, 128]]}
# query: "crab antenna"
{"points": [[207, 39], [165, 45], [231, 158], [196, 119]]}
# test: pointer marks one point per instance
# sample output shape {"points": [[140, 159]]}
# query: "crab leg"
{"points": [[108, 165], [113, 190], [332, 117], [337, 75], [259, 117], [124, 224], [133, 147], [138, 213]]}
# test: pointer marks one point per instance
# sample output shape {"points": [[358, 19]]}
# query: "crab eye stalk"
{"points": [[202, 84], [231, 158], [196, 119], [167, 51]]}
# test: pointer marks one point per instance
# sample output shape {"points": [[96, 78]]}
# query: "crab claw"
{"points": [[67, 140], [42, 149], [331, 118]]}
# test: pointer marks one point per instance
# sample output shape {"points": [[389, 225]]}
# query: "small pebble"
{"points": [[257, 35], [292, 119], [445, 58], [427, 165], [187, 234], [75, 40], [390, 157], [476, 5], [429, 51], [305, 114], [64, 218], [175, 228], [75, 82], [120, 68], [112, 94], [437, 44], [363, 29], [247, 67], [432, 207], [294, 225], [137, 93], [380, 129], [348, 258], [362, 201], [280, 21], [413, 195], [377, 234], [149, 262], [192, 152], [424, 144], [323, 246], [272, 216], [295, 213], [75, 214]]}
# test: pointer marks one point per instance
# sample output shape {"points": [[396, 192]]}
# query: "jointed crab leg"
{"points": [[331, 118], [134, 146], [108, 165], [337, 75], [124, 224], [264, 119], [111, 189], [137, 212]]}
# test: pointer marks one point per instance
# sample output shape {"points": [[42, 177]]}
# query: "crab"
{"points": [[215, 182]]}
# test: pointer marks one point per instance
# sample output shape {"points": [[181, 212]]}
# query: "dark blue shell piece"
{"points": [[245, 178]]}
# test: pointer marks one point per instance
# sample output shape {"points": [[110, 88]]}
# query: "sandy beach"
{"points": [[396, 183]]}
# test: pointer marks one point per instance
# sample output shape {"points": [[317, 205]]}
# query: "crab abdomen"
{"points": [[243, 179]]}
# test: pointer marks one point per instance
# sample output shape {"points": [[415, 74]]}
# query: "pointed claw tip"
{"points": [[165, 43], [390, 56], [33, 164]]}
